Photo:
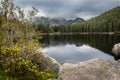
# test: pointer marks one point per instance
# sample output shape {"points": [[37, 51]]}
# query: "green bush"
{"points": [[15, 66]]}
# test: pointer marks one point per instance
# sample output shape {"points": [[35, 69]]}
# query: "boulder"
{"points": [[95, 69], [46, 63], [116, 51]]}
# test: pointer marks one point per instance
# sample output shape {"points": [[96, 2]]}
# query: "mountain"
{"points": [[55, 21], [75, 21], [107, 22]]}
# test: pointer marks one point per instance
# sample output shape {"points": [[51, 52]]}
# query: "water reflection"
{"points": [[72, 53], [73, 48]]}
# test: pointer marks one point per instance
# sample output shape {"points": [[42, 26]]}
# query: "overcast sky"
{"points": [[69, 9]]}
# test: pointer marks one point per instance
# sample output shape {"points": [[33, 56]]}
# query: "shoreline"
{"points": [[82, 33]]}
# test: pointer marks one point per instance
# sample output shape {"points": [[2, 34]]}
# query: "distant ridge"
{"points": [[55, 21]]}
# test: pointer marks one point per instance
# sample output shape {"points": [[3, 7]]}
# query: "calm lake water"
{"points": [[74, 48]]}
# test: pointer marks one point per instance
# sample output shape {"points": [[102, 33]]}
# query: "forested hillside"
{"points": [[106, 22]]}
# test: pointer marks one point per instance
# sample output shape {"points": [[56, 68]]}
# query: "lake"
{"points": [[75, 48]]}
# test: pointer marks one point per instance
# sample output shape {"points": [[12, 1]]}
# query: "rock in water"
{"points": [[116, 51], [46, 63], [95, 69]]}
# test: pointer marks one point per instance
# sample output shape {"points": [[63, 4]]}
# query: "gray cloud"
{"points": [[70, 8]]}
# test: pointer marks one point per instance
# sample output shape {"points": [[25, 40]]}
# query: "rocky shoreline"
{"points": [[94, 69]]}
